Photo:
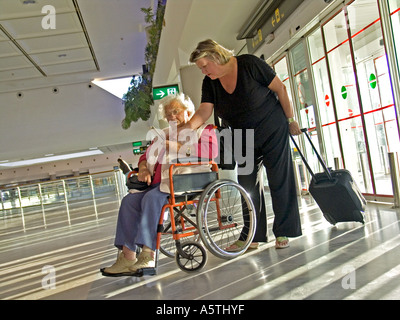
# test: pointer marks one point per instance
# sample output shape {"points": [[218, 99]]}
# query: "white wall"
{"points": [[192, 79], [42, 122]]}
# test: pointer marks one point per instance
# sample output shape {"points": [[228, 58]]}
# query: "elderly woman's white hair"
{"points": [[181, 98]]}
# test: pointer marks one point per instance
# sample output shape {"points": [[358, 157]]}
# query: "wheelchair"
{"points": [[203, 213]]}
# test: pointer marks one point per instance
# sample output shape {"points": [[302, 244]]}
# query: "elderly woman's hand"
{"points": [[144, 175]]}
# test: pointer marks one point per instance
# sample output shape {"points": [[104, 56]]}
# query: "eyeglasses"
{"points": [[174, 112]]}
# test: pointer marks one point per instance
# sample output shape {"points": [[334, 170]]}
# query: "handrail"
{"points": [[63, 190], [12, 185]]}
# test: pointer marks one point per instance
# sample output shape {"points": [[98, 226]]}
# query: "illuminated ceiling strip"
{"points": [[50, 159]]}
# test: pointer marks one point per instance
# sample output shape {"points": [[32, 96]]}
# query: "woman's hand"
{"points": [[144, 175], [294, 128]]}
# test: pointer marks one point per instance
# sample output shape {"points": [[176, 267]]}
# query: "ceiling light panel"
{"points": [[3, 37], [7, 49], [64, 56], [32, 27], [54, 43], [19, 74], [17, 62], [11, 9], [58, 51], [71, 67]]}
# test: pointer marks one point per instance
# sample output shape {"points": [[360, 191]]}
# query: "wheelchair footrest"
{"points": [[145, 272], [138, 273]]}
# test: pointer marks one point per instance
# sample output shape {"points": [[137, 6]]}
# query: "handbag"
{"points": [[132, 181], [226, 151], [224, 148]]}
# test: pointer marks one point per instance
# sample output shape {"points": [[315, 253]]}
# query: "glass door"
{"points": [[325, 100], [282, 71], [374, 84], [304, 96], [347, 104], [394, 8], [394, 52]]}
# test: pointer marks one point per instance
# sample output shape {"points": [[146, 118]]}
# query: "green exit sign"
{"points": [[161, 92]]}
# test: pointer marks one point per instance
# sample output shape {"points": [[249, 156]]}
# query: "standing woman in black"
{"points": [[245, 92]]}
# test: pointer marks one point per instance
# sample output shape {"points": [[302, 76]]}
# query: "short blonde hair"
{"points": [[213, 51], [183, 101]]}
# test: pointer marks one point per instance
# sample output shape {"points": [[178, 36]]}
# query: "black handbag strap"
{"points": [[216, 119]]}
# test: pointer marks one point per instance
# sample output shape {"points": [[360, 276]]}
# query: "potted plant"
{"points": [[139, 97]]}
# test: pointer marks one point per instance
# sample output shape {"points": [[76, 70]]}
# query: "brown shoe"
{"points": [[145, 260], [121, 267]]}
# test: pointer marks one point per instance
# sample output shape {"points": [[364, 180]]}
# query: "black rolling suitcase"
{"points": [[335, 191]]}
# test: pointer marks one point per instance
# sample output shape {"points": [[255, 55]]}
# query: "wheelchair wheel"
{"points": [[192, 258], [225, 214]]}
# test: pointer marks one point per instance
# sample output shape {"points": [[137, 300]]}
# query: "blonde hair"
{"points": [[181, 98], [213, 51]]}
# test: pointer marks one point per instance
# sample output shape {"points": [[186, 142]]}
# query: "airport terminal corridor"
{"points": [[61, 261], [63, 130]]}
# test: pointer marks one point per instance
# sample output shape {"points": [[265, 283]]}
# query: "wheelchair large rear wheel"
{"points": [[226, 214]]}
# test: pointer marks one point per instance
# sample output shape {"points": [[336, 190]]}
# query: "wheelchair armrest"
{"points": [[193, 159]]}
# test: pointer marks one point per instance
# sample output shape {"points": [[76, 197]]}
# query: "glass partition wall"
{"points": [[64, 201], [343, 93]]}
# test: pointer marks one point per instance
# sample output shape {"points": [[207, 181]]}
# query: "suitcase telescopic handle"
{"points": [[321, 161]]}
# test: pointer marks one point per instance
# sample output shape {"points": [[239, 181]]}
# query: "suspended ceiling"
{"points": [[79, 41], [96, 39]]}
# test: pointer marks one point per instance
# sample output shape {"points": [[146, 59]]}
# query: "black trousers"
{"points": [[274, 154]]}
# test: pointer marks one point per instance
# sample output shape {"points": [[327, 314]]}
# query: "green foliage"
{"points": [[138, 100]]}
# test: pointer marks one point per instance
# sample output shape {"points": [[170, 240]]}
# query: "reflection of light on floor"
{"points": [[338, 273], [314, 267], [154, 279], [383, 281], [333, 274], [25, 275]]}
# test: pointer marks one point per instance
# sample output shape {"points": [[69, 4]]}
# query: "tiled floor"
{"points": [[62, 261]]}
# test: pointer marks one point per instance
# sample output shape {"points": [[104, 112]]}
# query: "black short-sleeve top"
{"points": [[252, 104]]}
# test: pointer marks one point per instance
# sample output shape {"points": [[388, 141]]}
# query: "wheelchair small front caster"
{"points": [[194, 257]]}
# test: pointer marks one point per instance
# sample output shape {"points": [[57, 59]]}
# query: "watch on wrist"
{"points": [[290, 120]]}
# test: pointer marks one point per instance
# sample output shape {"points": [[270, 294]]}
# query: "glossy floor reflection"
{"points": [[62, 260]]}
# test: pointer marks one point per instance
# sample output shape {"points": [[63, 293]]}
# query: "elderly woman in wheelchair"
{"points": [[139, 212], [181, 175]]}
